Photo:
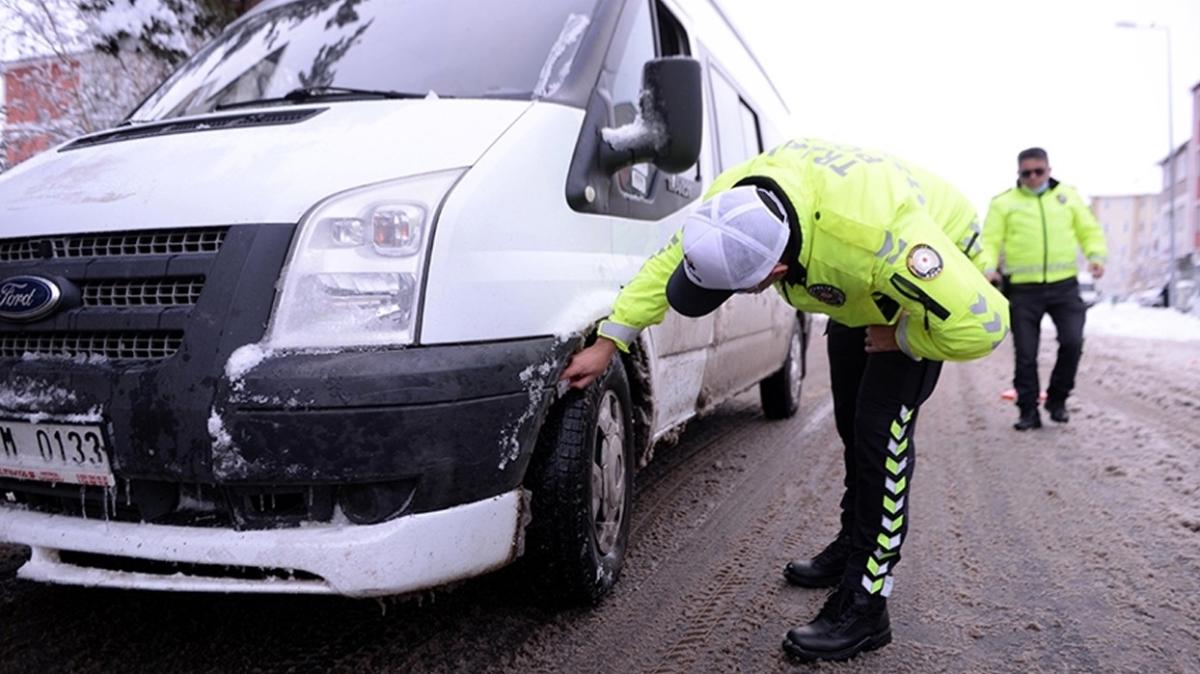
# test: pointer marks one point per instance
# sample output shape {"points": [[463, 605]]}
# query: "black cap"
{"points": [[690, 299]]}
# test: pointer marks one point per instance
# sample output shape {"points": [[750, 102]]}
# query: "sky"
{"points": [[960, 87]]}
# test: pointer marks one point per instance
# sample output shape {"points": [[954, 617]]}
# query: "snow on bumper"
{"points": [[410, 553]]}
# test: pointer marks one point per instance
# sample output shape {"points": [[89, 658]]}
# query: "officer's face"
{"points": [[776, 274], [1033, 173]]}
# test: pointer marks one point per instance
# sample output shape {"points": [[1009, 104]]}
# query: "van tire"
{"points": [[780, 393], [569, 557]]}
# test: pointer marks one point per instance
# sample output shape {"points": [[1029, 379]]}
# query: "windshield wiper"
{"points": [[322, 93]]}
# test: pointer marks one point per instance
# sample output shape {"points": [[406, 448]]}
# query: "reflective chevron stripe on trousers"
{"points": [[875, 399]]}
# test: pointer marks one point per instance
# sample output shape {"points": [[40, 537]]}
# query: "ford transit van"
{"points": [[297, 324]]}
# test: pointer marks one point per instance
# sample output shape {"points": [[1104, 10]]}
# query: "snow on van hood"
{"points": [[248, 175]]}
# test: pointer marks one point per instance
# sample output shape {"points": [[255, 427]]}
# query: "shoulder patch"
{"points": [[1062, 199], [831, 295], [924, 262]]}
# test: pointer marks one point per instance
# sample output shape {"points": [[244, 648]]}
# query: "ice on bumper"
{"points": [[407, 554]]}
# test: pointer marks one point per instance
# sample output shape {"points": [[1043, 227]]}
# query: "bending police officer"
{"points": [[850, 233]]}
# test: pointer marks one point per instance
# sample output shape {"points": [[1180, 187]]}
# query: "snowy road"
{"points": [[1075, 548]]}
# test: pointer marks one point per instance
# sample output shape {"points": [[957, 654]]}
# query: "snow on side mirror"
{"points": [[667, 130]]}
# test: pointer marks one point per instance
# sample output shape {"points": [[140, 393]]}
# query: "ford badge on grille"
{"points": [[28, 298]]}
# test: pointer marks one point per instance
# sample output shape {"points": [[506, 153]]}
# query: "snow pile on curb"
{"points": [[1138, 322]]}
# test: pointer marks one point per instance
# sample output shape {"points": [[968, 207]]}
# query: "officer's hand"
{"points": [[1097, 269], [993, 276], [881, 338], [585, 366]]}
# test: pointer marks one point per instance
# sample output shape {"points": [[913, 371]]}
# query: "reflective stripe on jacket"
{"points": [[1038, 235], [869, 223]]}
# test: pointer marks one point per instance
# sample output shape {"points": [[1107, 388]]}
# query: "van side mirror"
{"points": [[669, 128]]}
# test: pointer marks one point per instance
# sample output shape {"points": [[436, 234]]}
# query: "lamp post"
{"points": [[1171, 301]]}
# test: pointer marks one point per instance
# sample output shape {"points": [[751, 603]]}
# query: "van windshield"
{"points": [[519, 49]]}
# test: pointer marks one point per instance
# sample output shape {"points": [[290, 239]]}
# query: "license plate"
{"points": [[72, 454]]}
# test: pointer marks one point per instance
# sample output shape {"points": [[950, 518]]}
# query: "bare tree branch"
{"points": [[84, 64]]}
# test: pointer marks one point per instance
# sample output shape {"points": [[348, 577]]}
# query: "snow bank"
{"points": [[1137, 322]]}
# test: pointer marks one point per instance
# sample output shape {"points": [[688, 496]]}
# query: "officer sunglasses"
{"points": [[1033, 172]]}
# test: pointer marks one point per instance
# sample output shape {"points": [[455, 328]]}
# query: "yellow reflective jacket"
{"points": [[872, 250], [1038, 234]]}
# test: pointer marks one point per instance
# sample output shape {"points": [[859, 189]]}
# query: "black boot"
{"points": [[1058, 411], [824, 570], [1029, 419], [850, 623]]}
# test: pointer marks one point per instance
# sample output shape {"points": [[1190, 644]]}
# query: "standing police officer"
{"points": [[878, 245], [1037, 226]]}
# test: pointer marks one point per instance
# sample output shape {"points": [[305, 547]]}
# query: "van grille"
{"points": [[150, 345], [142, 293], [116, 244]]}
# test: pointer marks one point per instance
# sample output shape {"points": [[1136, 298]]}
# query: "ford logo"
{"points": [[28, 298]]}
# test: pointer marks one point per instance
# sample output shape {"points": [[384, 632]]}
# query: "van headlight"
{"points": [[355, 269]]}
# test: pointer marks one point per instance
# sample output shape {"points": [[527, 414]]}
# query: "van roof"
{"points": [[750, 52]]}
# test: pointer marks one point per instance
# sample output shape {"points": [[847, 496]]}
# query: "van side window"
{"points": [[626, 89], [673, 41], [738, 134], [627, 81], [750, 130], [672, 37]]}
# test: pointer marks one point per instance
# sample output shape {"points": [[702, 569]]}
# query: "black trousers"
{"points": [[1028, 302], [875, 403]]}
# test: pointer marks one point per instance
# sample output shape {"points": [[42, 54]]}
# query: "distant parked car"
{"points": [[1154, 297], [1186, 295]]}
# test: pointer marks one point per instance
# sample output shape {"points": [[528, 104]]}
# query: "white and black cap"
{"points": [[730, 243]]}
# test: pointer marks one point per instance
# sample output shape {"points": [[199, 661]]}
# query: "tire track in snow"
{"points": [[740, 576]]}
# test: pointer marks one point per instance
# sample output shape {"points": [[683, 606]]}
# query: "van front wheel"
{"points": [[581, 478]]}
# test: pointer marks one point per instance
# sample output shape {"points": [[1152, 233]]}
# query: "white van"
{"points": [[296, 325]]}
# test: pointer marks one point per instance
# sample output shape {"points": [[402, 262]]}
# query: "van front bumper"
{"points": [[407, 554], [451, 424], [378, 433]]}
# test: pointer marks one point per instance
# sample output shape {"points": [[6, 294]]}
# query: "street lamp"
{"points": [[1171, 301]]}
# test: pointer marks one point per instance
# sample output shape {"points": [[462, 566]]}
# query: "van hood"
{"points": [[251, 174]]}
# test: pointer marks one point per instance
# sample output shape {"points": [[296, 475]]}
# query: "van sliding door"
{"points": [[749, 335]]}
